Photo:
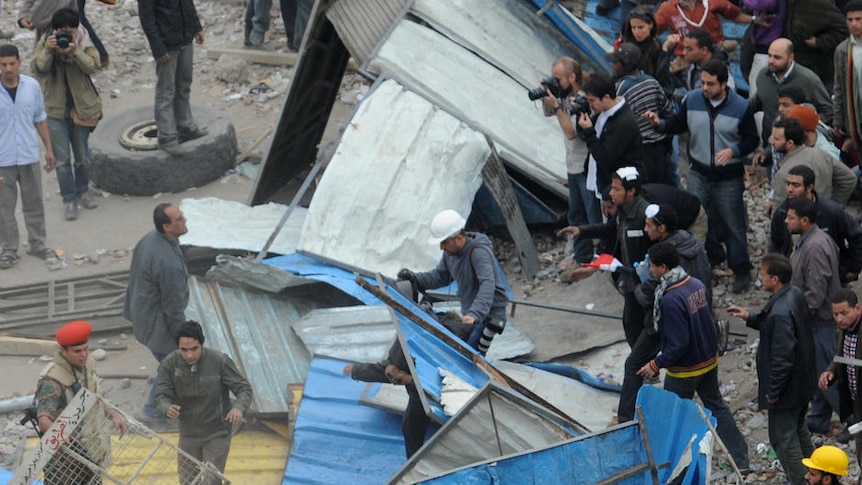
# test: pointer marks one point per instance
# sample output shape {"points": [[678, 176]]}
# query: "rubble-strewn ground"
{"points": [[129, 80]]}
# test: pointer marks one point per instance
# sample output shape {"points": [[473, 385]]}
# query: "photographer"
{"points": [[565, 105], [612, 135], [63, 64]]}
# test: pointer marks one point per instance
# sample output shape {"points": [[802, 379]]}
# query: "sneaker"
{"points": [[741, 281], [192, 135], [71, 211], [88, 202], [174, 149]]}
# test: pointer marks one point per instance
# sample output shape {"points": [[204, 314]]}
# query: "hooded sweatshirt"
{"points": [[474, 268]]}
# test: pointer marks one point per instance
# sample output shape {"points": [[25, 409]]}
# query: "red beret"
{"points": [[74, 333], [806, 115]]}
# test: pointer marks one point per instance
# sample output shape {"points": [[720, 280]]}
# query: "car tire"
{"points": [[125, 158]]}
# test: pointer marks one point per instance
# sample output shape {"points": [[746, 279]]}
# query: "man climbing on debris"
{"points": [[157, 293], [194, 386], [682, 312], [72, 369], [468, 259], [394, 370]]}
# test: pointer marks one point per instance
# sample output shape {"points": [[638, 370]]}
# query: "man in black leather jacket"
{"points": [[785, 364]]}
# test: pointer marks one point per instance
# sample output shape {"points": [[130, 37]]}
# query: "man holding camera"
{"points": [[612, 135], [566, 104], [63, 66]]}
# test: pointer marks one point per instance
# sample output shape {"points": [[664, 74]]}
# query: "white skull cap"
{"points": [[628, 174], [651, 210]]}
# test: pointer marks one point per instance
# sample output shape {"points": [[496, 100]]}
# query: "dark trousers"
{"points": [[655, 162], [791, 441], [645, 348], [415, 422], [706, 386]]}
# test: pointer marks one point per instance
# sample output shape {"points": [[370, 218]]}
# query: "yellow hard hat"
{"points": [[829, 459]]}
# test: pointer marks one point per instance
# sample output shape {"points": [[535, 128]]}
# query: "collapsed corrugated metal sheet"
{"points": [[587, 459], [225, 224], [362, 23], [367, 211], [364, 333], [589, 406], [479, 93], [495, 422], [336, 439], [360, 334], [253, 328], [514, 38]]}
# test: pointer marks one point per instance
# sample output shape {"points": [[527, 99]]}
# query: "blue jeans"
{"points": [[584, 209], [150, 410], [74, 179], [173, 111], [257, 17], [728, 219], [823, 402], [706, 386]]}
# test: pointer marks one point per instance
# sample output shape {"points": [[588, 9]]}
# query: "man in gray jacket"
{"points": [[468, 259], [815, 272], [157, 293]]}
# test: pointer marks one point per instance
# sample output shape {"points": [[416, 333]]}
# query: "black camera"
{"points": [[551, 84], [63, 39], [580, 105]]}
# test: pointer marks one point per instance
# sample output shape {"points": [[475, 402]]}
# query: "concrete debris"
{"points": [[232, 69]]}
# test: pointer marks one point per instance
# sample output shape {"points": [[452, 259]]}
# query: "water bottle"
{"points": [[642, 269]]}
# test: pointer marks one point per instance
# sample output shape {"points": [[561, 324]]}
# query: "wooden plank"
{"points": [[256, 56], [497, 181], [26, 346]]}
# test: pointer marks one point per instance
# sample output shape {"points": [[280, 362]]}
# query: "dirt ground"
{"points": [[120, 221]]}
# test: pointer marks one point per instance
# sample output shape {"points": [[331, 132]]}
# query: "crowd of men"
{"points": [[802, 122], [804, 78]]}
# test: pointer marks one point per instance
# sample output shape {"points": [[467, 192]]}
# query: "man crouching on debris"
{"points": [[468, 259], [689, 343], [72, 369], [785, 364], [394, 370], [194, 385]]}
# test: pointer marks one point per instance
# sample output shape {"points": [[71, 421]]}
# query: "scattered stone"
{"points": [[125, 383], [232, 69], [99, 354]]}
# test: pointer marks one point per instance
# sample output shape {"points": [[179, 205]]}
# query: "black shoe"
{"points": [[844, 436], [741, 281], [185, 136]]}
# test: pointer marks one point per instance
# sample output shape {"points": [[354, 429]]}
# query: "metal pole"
{"points": [[296, 198]]}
